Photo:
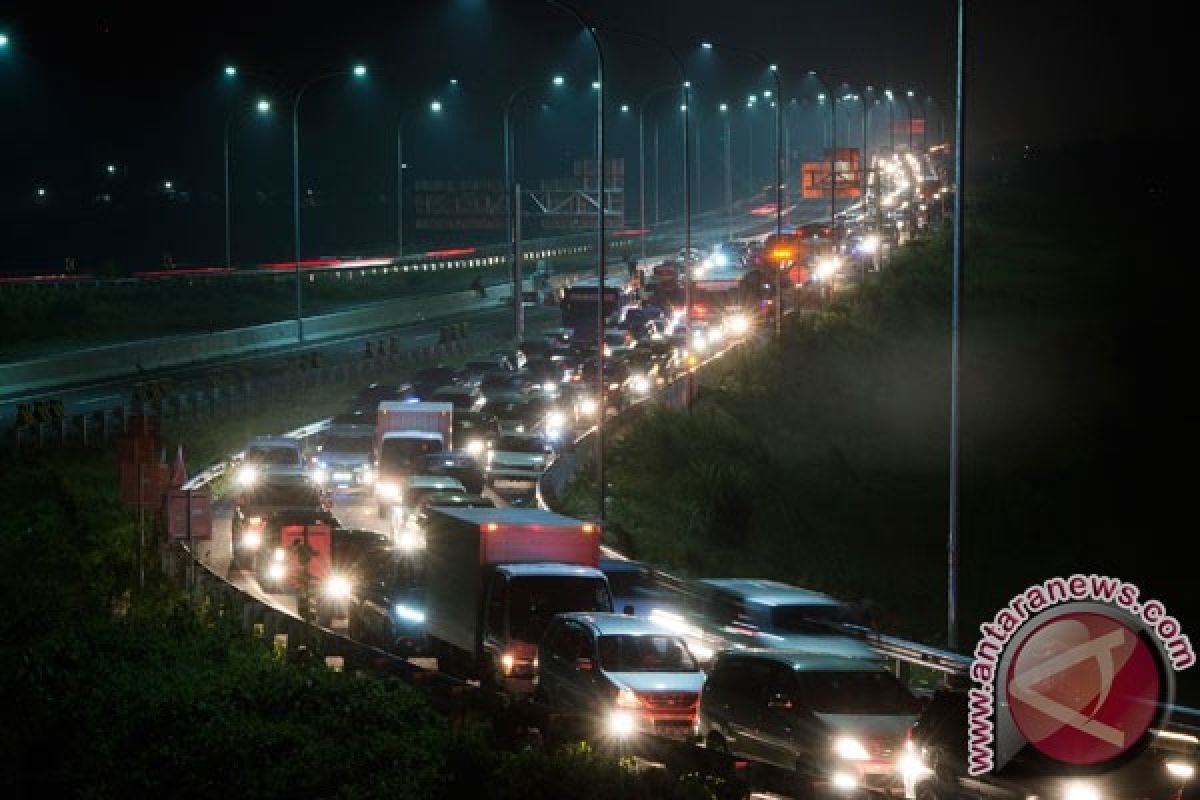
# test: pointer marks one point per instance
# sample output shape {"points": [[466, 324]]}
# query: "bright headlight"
{"points": [[276, 571], [640, 384], [720, 260], [247, 476], [714, 335], [588, 406], [1081, 791], [1181, 770], [827, 268], [409, 614], [320, 475], [409, 540], [475, 447], [388, 490], [251, 540], [621, 723], [556, 419], [612, 387], [844, 781], [338, 587], [850, 749], [279, 555], [869, 244], [549, 386], [738, 324], [626, 698], [368, 475]]}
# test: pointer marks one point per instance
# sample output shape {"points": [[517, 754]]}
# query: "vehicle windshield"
{"points": [[521, 444], [807, 619], [405, 453], [285, 495], [347, 444], [855, 693], [534, 599], [286, 456], [645, 653], [625, 582]]}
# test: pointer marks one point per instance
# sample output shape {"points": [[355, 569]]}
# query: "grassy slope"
{"points": [[825, 463]]}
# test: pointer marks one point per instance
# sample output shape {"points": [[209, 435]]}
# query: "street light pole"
{"points": [[728, 174], [600, 249], [642, 159], [959, 176], [357, 71]]}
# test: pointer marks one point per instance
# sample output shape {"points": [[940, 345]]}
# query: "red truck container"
{"points": [[501, 574], [403, 433]]}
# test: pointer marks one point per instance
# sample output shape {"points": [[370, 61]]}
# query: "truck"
{"points": [[403, 433], [501, 575]]}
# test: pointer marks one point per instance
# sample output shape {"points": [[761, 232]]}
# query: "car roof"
{"points": [[621, 565], [769, 593], [803, 661], [617, 624], [524, 570], [272, 441], [433, 482]]}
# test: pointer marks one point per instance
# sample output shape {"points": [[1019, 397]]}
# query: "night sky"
{"points": [[142, 87]]}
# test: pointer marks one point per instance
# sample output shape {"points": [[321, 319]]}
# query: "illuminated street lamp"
{"points": [[263, 106], [435, 107]]}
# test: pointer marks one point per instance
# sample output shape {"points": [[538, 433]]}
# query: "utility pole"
{"points": [[959, 195]]}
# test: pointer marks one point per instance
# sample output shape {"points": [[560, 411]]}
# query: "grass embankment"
{"points": [[111, 691], [823, 461]]}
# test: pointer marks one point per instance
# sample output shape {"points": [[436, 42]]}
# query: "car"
{"points": [[625, 673], [368, 398], [745, 612], [264, 455], [520, 452], [473, 370], [934, 766], [403, 514], [618, 342], [616, 389], [832, 723], [543, 376], [462, 396], [635, 589], [498, 382], [427, 380], [387, 603], [462, 466], [410, 534], [514, 359], [343, 458], [352, 419], [254, 507], [474, 431]]}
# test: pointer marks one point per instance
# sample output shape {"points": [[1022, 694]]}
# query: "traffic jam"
{"points": [[413, 522]]}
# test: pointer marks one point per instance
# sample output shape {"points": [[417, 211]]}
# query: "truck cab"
{"points": [[404, 434]]}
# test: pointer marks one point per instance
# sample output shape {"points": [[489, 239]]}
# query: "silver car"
{"points": [[625, 674]]}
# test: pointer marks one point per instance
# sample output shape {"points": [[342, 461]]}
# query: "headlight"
{"points": [[320, 475], [1081, 791], [338, 587], [276, 571], [368, 475], [869, 244], [387, 490], [549, 386], [475, 447], [911, 767], [508, 661], [626, 698], [844, 781], [738, 324], [251, 540], [1181, 770], [279, 555], [588, 406], [612, 387], [827, 268], [850, 749], [556, 419], [410, 540], [715, 335], [621, 723], [247, 476], [720, 260], [640, 384], [255, 521], [409, 614]]}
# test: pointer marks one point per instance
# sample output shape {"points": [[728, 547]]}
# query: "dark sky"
{"points": [[141, 85]]}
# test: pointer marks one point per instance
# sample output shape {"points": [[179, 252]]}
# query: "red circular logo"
{"points": [[1083, 688]]}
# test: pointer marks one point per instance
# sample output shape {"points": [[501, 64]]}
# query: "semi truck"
{"points": [[404, 432], [497, 576]]}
